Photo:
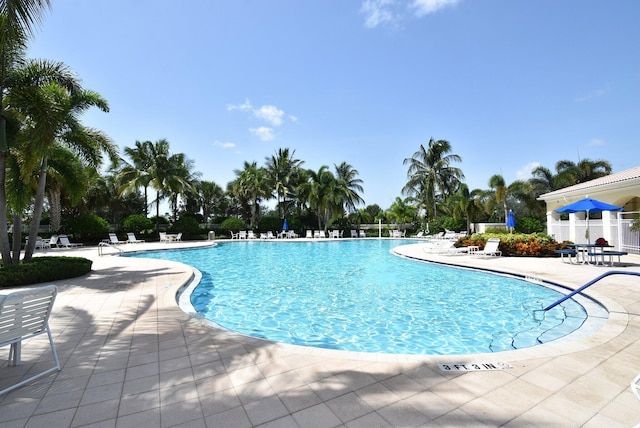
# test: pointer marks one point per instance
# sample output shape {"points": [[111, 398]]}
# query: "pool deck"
{"points": [[132, 358]]}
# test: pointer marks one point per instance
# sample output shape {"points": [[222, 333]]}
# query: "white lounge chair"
{"points": [[64, 242], [113, 239], [361, 234], [354, 233], [53, 241], [25, 314], [270, 235], [131, 238], [242, 234], [490, 249], [321, 234], [178, 237], [251, 235], [309, 234]]}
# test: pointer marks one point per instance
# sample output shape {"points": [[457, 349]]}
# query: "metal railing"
{"points": [[588, 284], [103, 244]]}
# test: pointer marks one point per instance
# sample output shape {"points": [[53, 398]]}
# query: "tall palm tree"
{"points": [[18, 19], [570, 173], [181, 180], [49, 101], [251, 186], [401, 211], [431, 175], [349, 186], [135, 174], [209, 195], [322, 195], [282, 169], [170, 175], [499, 186]]}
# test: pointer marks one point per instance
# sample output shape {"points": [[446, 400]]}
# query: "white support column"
{"points": [[572, 228], [607, 222]]}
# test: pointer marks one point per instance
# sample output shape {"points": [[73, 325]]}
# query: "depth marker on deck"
{"points": [[475, 367]]}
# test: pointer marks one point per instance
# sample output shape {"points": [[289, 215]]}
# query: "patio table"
{"points": [[586, 251]]}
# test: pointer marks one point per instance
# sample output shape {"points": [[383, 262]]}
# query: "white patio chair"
{"points": [[490, 249], [64, 242], [25, 314], [131, 238]]}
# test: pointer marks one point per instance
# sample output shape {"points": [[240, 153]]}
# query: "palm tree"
{"points": [[401, 211], [322, 195], [17, 21], [499, 186], [251, 187], [49, 101], [281, 170], [431, 175], [181, 179], [349, 186], [570, 173], [136, 174], [466, 204], [209, 194]]}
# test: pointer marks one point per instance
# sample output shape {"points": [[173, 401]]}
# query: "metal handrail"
{"points": [[106, 244], [588, 284]]}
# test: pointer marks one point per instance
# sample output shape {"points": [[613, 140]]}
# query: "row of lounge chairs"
{"points": [[56, 241], [289, 234]]}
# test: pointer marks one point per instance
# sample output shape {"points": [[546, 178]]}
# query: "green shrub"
{"points": [[137, 223], [271, 223], [529, 225], [44, 269], [516, 244], [233, 224], [187, 225], [88, 227]]}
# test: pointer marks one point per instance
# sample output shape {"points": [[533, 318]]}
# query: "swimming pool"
{"points": [[354, 295]]}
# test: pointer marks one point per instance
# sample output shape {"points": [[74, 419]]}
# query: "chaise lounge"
{"points": [[490, 249]]}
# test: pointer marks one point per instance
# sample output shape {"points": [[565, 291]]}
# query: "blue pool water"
{"points": [[354, 295]]}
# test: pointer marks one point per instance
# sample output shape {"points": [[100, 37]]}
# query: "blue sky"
{"points": [[511, 84]]}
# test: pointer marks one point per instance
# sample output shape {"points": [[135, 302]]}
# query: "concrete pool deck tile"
{"points": [[126, 345]]}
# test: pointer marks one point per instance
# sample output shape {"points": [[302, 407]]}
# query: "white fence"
{"points": [[618, 231]]}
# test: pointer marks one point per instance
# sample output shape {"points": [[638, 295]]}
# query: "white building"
{"points": [[621, 189]]}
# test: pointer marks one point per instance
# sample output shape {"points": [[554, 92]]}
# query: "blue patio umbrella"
{"points": [[588, 205], [511, 220], [285, 225]]}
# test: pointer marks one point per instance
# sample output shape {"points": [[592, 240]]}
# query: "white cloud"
{"points": [[524, 173], [594, 94], [271, 114], [242, 107], [224, 145], [377, 12], [389, 13], [264, 133], [425, 7], [596, 142]]}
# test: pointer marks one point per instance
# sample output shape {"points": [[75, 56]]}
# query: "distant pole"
{"points": [[379, 228]]}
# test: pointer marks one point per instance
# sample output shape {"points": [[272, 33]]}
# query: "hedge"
{"points": [[44, 269]]}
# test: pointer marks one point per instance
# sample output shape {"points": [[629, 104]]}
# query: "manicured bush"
{"points": [[529, 225], [233, 224], [44, 269], [88, 227], [516, 244], [137, 223], [187, 225]]}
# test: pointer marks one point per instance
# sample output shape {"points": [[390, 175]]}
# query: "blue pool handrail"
{"points": [[588, 284]]}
